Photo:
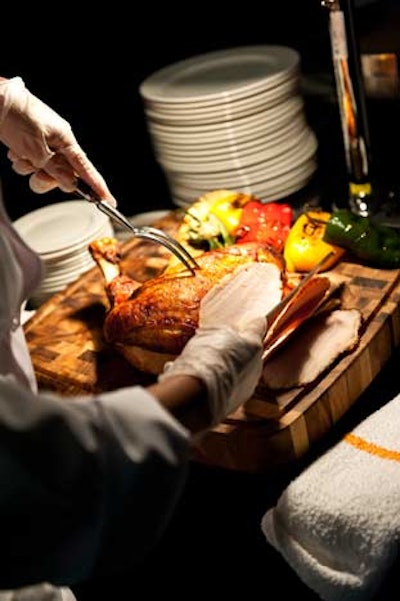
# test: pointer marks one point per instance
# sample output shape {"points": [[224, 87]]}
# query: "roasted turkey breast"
{"points": [[151, 323]]}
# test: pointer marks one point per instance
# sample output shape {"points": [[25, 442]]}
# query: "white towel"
{"points": [[338, 523], [38, 592]]}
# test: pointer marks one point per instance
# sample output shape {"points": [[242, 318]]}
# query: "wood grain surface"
{"points": [[271, 430]]}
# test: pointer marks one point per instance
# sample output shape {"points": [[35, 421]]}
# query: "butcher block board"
{"points": [[70, 356]]}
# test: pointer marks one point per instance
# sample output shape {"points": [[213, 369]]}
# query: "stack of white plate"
{"points": [[231, 119], [60, 233]]}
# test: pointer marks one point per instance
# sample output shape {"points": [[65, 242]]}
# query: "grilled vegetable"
{"points": [[376, 244], [228, 210], [305, 244], [265, 222], [210, 222]]}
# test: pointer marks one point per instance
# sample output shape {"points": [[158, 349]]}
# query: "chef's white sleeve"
{"points": [[87, 485]]}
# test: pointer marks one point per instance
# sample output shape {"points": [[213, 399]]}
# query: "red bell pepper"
{"points": [[265, 222]]}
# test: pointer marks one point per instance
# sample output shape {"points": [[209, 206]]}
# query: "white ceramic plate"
{"points": [[230, 139], [236, 160], [227, 111], [267, 191], [260, 140], [73, 254], [210, 77], [65, 266], [196, 132], [225, 98], [177, 110], [61, 227], [299, 172], [276, 166]]}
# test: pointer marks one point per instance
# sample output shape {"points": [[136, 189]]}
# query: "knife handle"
{"points": [[85, 191]]}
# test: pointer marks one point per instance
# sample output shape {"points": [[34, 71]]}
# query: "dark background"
{"points": [[89, 68]]}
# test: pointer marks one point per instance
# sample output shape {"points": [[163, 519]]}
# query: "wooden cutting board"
{"points": [[70, 356]]}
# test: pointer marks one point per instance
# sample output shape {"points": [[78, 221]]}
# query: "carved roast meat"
{"points": [[150, 323]]}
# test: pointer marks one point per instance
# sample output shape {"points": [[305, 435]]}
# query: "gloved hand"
{"points": [[225, 353], [41, 143]]}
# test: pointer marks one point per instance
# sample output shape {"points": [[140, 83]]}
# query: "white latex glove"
{"points": [[225, 353], [41, 143]]}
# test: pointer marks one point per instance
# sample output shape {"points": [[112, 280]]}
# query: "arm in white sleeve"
{"points": [[87, 484]]}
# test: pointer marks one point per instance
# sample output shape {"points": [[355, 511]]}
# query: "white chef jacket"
{"points": [[86, 484]]}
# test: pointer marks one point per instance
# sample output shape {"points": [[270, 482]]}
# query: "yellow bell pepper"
{"points": [[305, 247], [228, 209]]}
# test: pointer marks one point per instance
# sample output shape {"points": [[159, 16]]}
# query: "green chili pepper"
{"points": [[376, 244]]}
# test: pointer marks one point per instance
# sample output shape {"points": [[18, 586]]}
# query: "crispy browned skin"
{"points": [[121, 288], [105, 248], [162, 314]]}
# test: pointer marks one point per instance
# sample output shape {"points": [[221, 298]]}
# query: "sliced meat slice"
{"points": [[313, 349]]}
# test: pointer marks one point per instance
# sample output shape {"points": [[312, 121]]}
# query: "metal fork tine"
{"points": [[171, 240], [150, 233], [170, 243]]}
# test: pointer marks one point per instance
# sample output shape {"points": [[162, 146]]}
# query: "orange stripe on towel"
{"points": [[371, 448]]}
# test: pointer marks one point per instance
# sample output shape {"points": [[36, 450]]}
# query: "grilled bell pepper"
{"points": [[376, 244], [228, 210], [305, 245], [210, 221], [265, 222]]}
